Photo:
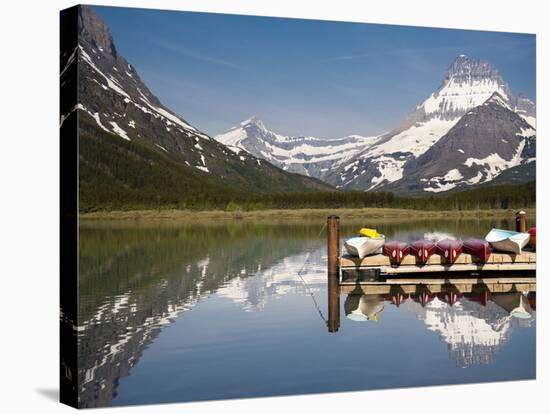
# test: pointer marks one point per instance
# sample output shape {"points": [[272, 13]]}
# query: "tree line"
{"points": [[482, 198]]}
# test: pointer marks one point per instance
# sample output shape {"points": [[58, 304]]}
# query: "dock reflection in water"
{"points": [[197, 312], [474, 326]]}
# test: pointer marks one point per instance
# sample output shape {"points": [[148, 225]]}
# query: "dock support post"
{"points": [[333, 246], [333, 272], [520, 221]]}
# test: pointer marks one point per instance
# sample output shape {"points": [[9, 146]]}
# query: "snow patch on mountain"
{"points": [[457, 96], [119, 131], [415, 140], [306, 155], [111, 83], [494, 164], [445, 183]]}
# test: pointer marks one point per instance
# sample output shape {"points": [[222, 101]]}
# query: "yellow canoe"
{"points": [[372, 233]]}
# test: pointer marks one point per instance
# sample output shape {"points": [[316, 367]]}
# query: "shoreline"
{"points": [[296, 214]]}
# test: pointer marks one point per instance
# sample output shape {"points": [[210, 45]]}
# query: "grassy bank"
{"points": [[297, 214]]}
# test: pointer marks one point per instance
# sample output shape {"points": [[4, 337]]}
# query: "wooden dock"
{"points": [[502, 273], [380, 264]]}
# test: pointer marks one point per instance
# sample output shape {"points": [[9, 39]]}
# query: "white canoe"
{"points": [[361, 308], [362, 246], [507, 240]]}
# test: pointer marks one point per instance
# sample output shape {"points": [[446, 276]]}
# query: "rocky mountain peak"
{"points": [[465, 69], [497, 99], [95, 31], [253, 121]]}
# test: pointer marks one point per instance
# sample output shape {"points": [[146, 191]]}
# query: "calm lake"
{"points": [[187, 312]]}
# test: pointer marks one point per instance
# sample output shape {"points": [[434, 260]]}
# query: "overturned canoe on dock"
{"points": [[449, 249], [363, 246], [507, 240], [533, 237], [422, 250], [396, 250], [477, 248]]}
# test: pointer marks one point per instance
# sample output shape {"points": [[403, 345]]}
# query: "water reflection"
{"points": [[473, 328], [364, 307], [135, 280]]}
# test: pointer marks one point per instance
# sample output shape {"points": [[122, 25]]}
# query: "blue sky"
{"points": [[302, 77]]}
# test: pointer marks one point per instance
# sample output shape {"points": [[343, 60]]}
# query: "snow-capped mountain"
{"points": [[305, 155], [114, 95], [112, 101], [467, 85], [486, 141], [374, 163]]}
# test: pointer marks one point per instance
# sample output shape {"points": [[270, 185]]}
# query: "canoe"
{"points": [[363, 246], [361, 308], [396, 298], [372, 233], [477, 248], [482, 297], [422, 250], [533, 237], [515, 303], [507, 240], [423, 298], [449, 249], [450, 297], [396, 250]]}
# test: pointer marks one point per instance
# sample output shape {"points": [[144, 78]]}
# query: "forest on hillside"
{"points": [[484, 198]]}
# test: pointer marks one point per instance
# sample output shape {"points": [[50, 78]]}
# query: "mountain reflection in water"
{"points": [[135, 281], [473, 329]]}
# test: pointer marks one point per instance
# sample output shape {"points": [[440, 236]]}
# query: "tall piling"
{"points": [[520, 221], [333, 272]]}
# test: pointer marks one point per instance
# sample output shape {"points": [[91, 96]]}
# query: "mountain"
{"points": [[468, 84], [131, 136], [305, 155], [393, 160], [485, 142]]}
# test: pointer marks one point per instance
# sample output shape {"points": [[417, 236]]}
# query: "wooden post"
{"points": [[333, 245], [520, 221], [333, 272], [333, 322]]}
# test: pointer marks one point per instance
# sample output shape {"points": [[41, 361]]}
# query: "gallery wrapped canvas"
{"points": [[256, 206]]}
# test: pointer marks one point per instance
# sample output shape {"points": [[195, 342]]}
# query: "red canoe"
{"points": [[449, 249], [396, 250], [533, 237], [450, 297], [477, 248], [423, 298], [422, 250], [482, 297]]}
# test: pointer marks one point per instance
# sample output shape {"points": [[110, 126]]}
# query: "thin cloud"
{"points": [[397, 52], [193, 54], [410, 50]]}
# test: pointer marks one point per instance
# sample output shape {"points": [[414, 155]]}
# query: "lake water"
{"points": [[187, 312]]}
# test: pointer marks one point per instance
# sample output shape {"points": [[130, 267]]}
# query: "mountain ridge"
{"points": [[374, 163], [461, 159], [113, 100]]}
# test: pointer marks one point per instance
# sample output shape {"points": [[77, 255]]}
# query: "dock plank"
{"points": [[380, 260], [472, 267]]}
